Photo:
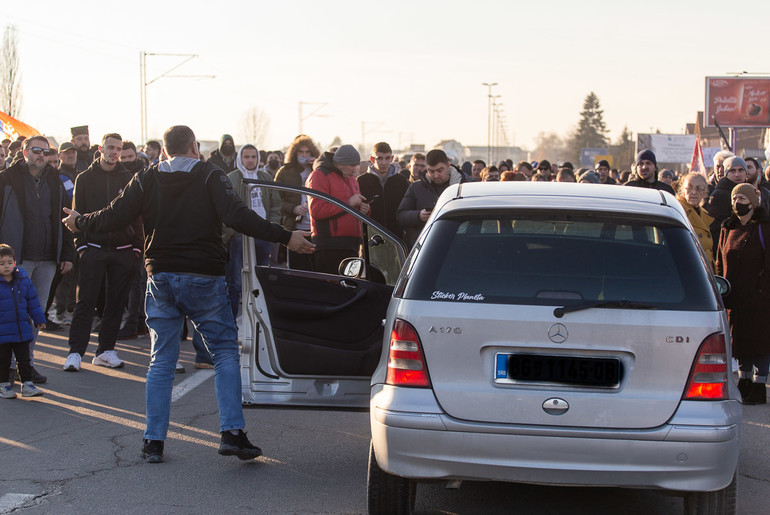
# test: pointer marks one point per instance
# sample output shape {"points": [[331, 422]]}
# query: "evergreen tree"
{"points": [[623, 150], [591, 131]]}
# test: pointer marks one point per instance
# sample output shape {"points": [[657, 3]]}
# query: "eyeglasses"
{"points": [[696, 189], [44, 151]]}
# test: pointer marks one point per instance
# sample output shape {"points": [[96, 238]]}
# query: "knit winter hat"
{"points": [[646, 155], [732, 162], [347, 155], [749, 191]]}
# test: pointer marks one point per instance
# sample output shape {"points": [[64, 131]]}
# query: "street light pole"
{"points": [[144, 82], [320, 105], [489, 85]]}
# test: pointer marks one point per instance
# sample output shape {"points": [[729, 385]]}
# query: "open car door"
{"points": [[314, 339]]}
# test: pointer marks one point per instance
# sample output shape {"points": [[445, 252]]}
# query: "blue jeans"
{"points": [[234, 267], [204, 300], [202, 354]]}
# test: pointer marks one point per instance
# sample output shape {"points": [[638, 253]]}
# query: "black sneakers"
{"points": [[152, 451], [238, 445], [37, 377]]}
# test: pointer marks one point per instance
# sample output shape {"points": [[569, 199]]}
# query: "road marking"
{"points": [[10, 502], [191, 382]]}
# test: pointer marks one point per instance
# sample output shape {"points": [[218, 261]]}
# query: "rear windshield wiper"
{"points": [[620, 304]]}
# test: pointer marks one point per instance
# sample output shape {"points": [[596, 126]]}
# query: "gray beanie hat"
{"points": [[590, 177], [733, 161], [347, 155]]}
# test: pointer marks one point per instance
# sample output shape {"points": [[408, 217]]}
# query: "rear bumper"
{"points": [[427, 444]]}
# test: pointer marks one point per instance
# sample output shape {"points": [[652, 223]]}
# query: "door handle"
{"points": [[345, 284]]}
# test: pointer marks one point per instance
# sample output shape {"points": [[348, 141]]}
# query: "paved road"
{"points": [[76, 450]]}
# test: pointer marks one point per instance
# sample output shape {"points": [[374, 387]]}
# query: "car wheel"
{"points": [[388, 494], [720, 502]]}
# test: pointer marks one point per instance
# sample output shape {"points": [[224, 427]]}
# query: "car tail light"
{"points": [[406, 363], [708, 378]]}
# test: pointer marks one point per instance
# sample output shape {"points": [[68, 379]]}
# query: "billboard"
{"points": [[668, 148], [738, 101], [588, 155]]}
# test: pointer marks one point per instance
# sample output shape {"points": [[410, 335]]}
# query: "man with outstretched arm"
{"points": [[183, 203]]}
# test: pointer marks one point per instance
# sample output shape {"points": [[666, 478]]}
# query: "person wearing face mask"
{"points": [[224, 156], [743, 259], [298, 165], [719, 203], [273, 164]]}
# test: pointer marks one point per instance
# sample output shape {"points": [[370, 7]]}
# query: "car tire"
{"points": [[387, 494], [720, 502]]}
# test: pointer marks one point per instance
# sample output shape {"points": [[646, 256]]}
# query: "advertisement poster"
{"points": [[668, 148], [738, 101]]}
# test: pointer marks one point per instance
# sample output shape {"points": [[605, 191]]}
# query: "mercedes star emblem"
{"points": [[558, 333]]}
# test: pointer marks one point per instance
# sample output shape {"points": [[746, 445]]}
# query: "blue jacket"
{"points": [[18, 303]]}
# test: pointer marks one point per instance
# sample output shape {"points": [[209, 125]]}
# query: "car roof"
{"points": [[551, 195]]}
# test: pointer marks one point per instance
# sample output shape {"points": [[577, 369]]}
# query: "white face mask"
{"points": [[303, 160]]}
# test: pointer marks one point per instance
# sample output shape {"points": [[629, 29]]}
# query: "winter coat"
{"points": [[657, 185], [421, 195], [270, 199], [95, 189], [742, 261], [701, 223], [18, 303], [388, 199], [290, 174], [331, 227], [12, 198], [218, 159], [720, 207]]}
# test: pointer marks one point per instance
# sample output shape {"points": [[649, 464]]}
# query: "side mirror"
{"points": [[352, 267], [723, 285]]}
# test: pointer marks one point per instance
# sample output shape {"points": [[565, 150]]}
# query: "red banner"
{"points": [[738, 101], [12, 128]]}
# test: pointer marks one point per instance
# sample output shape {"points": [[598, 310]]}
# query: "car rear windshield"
{"points": [[560, 259]]}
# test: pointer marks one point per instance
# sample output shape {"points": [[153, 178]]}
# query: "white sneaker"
{"points": [[73, 363], [60, 319], [6, 391], [108, 358], [28, 389]]}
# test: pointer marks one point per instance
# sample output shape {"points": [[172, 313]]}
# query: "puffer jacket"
{"points": [[18, 303], [331, 227]]}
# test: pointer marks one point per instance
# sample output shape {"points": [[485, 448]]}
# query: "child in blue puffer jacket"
{"points": [[18, 303]]}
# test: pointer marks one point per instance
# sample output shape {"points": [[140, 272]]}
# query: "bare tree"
{"points": [[255, 126], [10, 74]]}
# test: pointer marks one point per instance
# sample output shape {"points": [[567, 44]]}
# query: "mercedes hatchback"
{"points": [[561, 334]]}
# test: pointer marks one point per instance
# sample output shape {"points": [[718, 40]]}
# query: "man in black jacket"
{"points": [[103, 256], [384, 187], [183, 203], [720, 203], [646, 168], [422, 195], [82, 144], [31, 200]]}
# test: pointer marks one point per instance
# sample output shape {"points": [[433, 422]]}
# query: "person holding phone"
{"points": [[422, 195], [337, 234]]}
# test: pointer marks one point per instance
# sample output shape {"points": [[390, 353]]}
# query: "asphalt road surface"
{"points": [[76, 450]]}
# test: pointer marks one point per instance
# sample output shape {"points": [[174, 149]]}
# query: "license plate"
{"points": [[566, 370]]}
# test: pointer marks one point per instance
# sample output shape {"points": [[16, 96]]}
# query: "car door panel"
{"points": [[324, 325]]}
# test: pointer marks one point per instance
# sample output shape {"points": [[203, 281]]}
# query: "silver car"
{"points": [[538, 333]]}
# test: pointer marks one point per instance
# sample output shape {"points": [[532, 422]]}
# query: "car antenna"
{"points": [[459, 191]]}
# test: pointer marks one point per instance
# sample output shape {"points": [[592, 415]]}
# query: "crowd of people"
{"points": [[119, 241]]}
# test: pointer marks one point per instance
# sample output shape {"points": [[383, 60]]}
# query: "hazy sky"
{"points": [[411, 69]]}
